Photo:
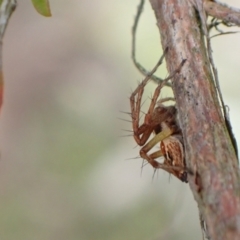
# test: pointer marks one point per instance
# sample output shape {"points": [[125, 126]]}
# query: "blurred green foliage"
{"points": [[42, 7], [63, 174]]}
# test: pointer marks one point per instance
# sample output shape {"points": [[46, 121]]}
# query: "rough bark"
{"points": [[222, 11], [215, 179]]}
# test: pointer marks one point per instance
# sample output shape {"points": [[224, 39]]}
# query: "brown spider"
{"points": [[161, 120]]}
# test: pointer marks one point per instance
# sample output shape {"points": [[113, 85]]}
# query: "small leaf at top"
{"points": [[42, 7]]}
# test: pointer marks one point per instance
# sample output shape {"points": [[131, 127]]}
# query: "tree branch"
{"points": [[6, 9], [222, 11], [215, 182]]}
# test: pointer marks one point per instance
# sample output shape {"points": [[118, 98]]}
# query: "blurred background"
{"points": [[63, 169]]}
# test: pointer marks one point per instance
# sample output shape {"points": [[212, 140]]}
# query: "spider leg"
{"points": [[156, 154], [146, 128], [160, 86], [142, 135], [140, 87], [135, 103], [166, 100], [156, 139], [165, 165], [170, 165]]}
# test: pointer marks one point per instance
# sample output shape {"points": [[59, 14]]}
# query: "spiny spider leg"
{"points": [[142, 133], [174, 165], [136, 105], [161, 120], [156, 139], [160, 86], [166, 165]]}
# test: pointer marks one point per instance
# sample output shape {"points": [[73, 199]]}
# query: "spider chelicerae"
{"points": [[163, 122]]}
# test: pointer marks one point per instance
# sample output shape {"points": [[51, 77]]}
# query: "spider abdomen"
{"points": [[173, 152]]}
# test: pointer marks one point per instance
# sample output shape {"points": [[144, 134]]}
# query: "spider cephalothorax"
{"points": [[163, 122]]}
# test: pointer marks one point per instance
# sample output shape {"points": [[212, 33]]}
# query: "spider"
{"points": [[162, 121]]}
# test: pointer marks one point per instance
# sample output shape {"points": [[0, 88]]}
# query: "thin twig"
{"points": [[6, 9], [136, 63], [222, 11]]}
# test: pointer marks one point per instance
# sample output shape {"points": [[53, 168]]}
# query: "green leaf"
{"points": [[42, 7]]}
